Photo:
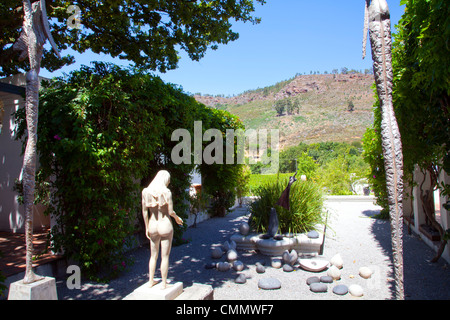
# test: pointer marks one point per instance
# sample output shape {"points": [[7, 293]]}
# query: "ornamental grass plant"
{"points": [[306, 206]]}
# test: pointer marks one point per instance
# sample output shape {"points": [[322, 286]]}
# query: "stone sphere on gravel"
{"points": [[365, 272], [356, 290], [232, 255], [334, 272], [238, 265], [244, 229], [216, 253]]}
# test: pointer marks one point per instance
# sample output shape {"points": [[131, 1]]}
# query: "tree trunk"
{"points": [[377, 13], [426, 196]]}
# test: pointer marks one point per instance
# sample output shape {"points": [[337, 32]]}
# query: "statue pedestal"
{"points": [[197, 292], [44, 289], [156, 292]]}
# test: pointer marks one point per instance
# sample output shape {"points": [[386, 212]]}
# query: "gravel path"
{"points": [[359, 239]]}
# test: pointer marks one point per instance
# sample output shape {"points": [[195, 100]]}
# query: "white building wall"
{"points": [[11, 211]]}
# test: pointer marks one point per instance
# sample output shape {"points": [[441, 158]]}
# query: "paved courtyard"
{"points": [[361, 241]]}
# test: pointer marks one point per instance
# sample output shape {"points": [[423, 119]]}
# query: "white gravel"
{"points": [[361, 241]]}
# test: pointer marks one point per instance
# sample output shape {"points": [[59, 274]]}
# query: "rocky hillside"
{"points": [[323, 113]]}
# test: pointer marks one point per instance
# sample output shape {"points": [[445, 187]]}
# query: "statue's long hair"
{"points": [[157, 193]]}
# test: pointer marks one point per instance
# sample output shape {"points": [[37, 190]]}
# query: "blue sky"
{"points": [[294, 36]]}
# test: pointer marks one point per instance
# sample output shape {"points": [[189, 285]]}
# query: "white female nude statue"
{"points": [[157, 207]]}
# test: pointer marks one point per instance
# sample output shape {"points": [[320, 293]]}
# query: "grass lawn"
{"points": [[257, 180]]}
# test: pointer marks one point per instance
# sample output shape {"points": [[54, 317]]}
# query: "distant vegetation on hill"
{"points": [[335, 166], [306, 108], [322, 119]]}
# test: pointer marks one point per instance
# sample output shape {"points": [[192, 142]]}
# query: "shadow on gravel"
{"points": [[188, 261], [381, 230], [423, 280]]}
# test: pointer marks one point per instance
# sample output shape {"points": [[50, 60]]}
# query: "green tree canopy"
{"points": [[220, 180], [306, 165], [421, 63], [280, 107], [146, 32]]}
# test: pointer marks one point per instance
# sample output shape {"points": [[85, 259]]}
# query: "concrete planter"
{"points": [[270, 247]]}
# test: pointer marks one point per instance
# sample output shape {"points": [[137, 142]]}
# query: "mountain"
{"points": [[323, 113]]}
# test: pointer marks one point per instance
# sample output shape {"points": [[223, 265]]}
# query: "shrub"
{"points": [[219, 181], [279, 107], [243, 186], [335, 177], [373, 156], [306, 204], [306, 166], [351, 106], [104, 132]]}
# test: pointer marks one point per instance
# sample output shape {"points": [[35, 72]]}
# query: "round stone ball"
{"points": [[238, 265], [232, 255], [356, 290], [223, 266], [287, 268], [334, 272], [241, 279], [276, 263], [337, 261], [365, 272], [260, 268], [216, 253], [244, 229]]}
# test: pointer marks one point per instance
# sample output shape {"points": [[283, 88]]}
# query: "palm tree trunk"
{"points": [[426, 196], [377, 13]]}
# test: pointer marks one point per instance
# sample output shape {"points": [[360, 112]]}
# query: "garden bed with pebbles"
{"points": [[288, 262], [360, 240]]}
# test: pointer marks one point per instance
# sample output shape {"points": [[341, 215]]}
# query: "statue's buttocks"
{"points": [[157, 208], [159, 223]]}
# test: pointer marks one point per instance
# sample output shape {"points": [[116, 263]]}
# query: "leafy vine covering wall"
{"points": [[421, 63], [104, 132]]}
